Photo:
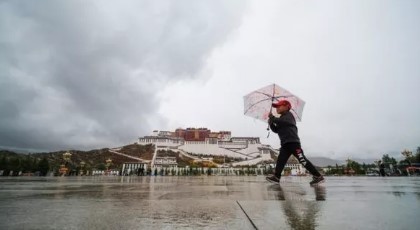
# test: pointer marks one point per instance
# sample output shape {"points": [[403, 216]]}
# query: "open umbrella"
{"points": [[257, 104]]}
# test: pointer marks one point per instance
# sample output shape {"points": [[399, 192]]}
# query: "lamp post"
{"points": [[82, 166], [63, 168], [67, 156], [108, 163]]}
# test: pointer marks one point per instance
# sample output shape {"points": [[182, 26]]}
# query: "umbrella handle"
{"points": [[268, 130], [268, 125]]}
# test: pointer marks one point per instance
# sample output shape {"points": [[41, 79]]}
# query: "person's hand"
{"points": [[270, 118]]}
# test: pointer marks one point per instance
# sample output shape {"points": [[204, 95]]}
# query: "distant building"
{"points": [[165, 162], [161, 141], [264, 150], [200, 134], [105, 172], [193, 134], [165, 134], [295, 167], [204, 142], [130, 168], [222, 135], [249, 140]]}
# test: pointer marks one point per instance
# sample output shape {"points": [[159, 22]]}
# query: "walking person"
{"points": [[285, 127]]}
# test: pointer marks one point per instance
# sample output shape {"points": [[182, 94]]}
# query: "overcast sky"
{"points": [[93, 74]]}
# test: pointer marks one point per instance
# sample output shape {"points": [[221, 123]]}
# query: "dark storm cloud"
{"points": [[86, 74]]}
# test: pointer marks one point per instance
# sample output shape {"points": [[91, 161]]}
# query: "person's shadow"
{"points": [[301, 212]]}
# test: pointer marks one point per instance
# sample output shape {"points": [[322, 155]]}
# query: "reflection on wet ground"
{"points": [[214, 202]]}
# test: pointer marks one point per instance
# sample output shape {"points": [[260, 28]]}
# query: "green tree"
{"points": [[43, 166], [389, 160], [27, 163], [101, 166], [3, 163], [417, 156], [15, 165], [356, 167], [35, 164]]}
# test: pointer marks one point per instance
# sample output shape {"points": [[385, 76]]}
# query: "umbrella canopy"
{"points": [[257, 104]]}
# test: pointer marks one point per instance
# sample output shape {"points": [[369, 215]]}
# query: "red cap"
{"points": [[282, 102]]}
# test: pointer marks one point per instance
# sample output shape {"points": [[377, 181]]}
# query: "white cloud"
{"points": [[352, 62]]}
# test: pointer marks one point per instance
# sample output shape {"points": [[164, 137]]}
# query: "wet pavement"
{"points": [[209, 202]]}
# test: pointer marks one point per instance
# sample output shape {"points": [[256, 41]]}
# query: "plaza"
{"points": [[208, 202]]}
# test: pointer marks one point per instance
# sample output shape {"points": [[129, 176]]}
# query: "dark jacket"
{"points": [[285, 127]]}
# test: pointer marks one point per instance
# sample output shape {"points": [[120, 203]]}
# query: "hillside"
{"points": [[8, 153], [93, 159], [141, 151]]}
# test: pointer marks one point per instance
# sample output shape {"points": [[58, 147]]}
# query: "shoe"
{"points": [[316, 180], [273, 179]]}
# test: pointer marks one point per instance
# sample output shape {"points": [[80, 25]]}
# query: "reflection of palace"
{"points": [[203, 142]]}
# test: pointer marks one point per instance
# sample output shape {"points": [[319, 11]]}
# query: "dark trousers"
{"points": [[293, 148]]}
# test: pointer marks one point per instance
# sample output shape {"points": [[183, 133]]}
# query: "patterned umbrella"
{"points": [[257, 104]]}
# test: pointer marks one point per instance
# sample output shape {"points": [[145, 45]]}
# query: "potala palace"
{"points": [[202, 142]]}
